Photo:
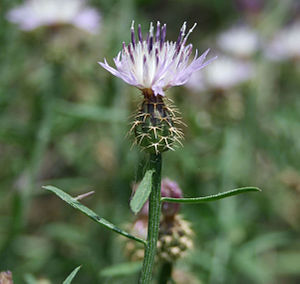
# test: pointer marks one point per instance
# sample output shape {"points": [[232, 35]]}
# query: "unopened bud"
{"points": [[170, 188], [175, 238]]}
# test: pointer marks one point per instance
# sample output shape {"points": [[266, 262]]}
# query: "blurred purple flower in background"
{"points": [[239, 41], [224, 74], [285, 44], [253, 6], [155, 64], [36, 13]]}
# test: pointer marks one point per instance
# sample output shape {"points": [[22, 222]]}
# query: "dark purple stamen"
{"points": [[140, 33], [178, 49], [144, 59], [130, 53], [163, 35], [150, 46], [179, 43], [133, 37], [124, 46], [179, 39], [157, 32]]}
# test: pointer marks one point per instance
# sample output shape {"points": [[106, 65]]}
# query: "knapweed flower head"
{"points": [[36, 13], [154, 64]]}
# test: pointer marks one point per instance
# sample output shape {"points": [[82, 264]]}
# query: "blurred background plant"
{"points": [[64, 121]]}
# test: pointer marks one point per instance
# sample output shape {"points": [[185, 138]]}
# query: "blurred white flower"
{"points": [[224, 74], [239, 41], [285, 44], [35, 13]]}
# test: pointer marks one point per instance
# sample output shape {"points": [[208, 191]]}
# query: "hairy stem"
{"points": [[154, 218]]}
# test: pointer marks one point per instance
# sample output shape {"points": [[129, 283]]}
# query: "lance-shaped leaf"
{"points": [[142, 193], [85, 210], [221, 195], [72, 275]]}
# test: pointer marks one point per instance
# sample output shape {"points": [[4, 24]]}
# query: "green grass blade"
{"points": [[142, 193], [72, 275], [85, 210], [221, 195], [121, 269]]}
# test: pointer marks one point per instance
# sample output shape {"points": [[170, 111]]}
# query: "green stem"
{"points": [[154, 219], [165, 273], [194, 200]]}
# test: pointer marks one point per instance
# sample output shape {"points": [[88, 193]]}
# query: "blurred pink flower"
{"points": [[156, 64], [35, 13]]}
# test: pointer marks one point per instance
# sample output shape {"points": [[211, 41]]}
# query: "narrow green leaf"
{"points": [[121, 269], [142, 193], [85, 210], [72, 275], [29, 279], [194, 200], [90, 112]]}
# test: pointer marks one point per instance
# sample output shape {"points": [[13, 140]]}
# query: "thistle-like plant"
{"points": [[153, 65]]}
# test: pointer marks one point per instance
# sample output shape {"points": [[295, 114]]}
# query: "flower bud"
{"points": [[174, 239], [170, 188], [175, 234], [133, 250]]}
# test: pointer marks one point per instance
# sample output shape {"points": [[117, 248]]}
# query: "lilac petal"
{"points": [[117, 73], [206, 63], [196, 65], [199, 61], [158, 90], [109, 68]]}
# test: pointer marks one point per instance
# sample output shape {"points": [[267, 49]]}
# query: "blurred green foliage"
{"points": [[64, 122]]}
